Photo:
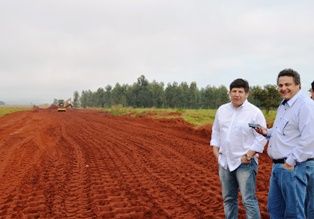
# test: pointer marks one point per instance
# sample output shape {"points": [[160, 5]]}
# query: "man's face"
{"points": [[312, 94], [287, 87], [238, 96]]}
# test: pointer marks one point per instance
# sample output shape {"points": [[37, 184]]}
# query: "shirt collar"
{"points": [[291, 101], [244, 104]]}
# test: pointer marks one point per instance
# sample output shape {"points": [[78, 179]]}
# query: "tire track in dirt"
{"points": [[87, 164], [160, 164]]}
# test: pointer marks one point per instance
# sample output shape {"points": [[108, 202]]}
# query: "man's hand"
{"points": [[261, 130], [250, 154], [288, 166], [216, 151], [246, 158]]}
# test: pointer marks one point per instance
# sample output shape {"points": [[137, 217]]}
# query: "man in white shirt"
{"points": [[236, 145], [291, 148]]}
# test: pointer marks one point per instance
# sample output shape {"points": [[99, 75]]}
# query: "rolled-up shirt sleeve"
{"points": [[259, 141]]}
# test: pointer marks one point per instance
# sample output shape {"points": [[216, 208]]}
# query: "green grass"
{"points": [[138, 112], [11, 109], [197, 117], [270, 116]]}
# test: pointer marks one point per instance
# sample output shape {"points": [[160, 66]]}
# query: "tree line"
{"points": [[143, 93]]}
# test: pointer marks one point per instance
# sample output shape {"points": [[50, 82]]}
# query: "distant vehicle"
{"points": [[68, 103], [63, 105]]}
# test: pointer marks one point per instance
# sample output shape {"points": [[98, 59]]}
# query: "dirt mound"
{"points": [[87, 164], [205, 131]]}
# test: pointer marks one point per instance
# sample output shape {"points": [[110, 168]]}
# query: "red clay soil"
{"points": [[87, 164]]}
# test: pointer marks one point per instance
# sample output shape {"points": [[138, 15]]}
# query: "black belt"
{"points": [[282, 160]]}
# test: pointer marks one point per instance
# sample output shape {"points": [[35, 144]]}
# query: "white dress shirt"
{"points": [[232, 135], [292, 135]]}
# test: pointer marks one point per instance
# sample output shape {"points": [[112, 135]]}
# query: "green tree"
{"points": [[99, 98], [194, 96], [256, 95], [158, 94], [183, 95], [141, 93], [107, 96], [272, 98], [119, 95], [267, 97], [212, 97], [86, 99], [145, 94], [171, 95], [76, 99]]}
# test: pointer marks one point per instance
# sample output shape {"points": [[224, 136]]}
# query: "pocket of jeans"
{"points": [[252, 166], [301, 174], [291, 173]]}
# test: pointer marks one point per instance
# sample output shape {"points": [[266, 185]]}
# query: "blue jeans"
{"points": [[243, 179], [286, 193], [309, 200]]}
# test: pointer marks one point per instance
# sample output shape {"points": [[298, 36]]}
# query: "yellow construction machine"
{"points": [[63, 105]]}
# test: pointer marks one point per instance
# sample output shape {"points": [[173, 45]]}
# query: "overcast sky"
{"points": [[50, 48]]}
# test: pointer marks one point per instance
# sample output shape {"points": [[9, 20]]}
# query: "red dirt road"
{"points": [[87, 164]]}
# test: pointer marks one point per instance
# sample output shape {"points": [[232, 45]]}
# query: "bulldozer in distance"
{"points": [[63, 105]]}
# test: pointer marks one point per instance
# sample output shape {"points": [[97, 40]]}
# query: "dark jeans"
{"points": [[243, 179], [309, 200], [286, 193]]}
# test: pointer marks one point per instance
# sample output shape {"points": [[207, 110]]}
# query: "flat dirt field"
{"points": [[88, 164]]}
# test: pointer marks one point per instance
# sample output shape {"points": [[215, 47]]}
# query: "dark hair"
{"points": [[240, 83], [290, 73], [312, 86]]}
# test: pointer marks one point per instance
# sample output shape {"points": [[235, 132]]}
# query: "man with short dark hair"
{"points": [[291, 148], [235, 145]]}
